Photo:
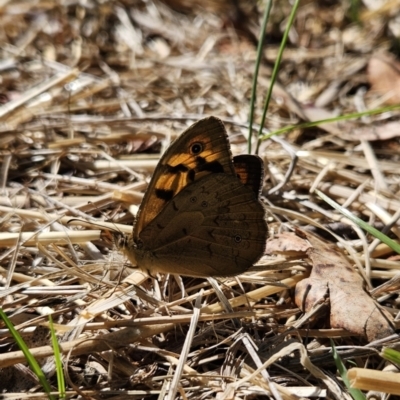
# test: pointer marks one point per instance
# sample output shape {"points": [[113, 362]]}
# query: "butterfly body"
{"points": [[201, 215]]}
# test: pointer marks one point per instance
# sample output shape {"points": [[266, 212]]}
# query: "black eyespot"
{"points": [[237, 238], [193, 199], [204, 203], [196, 148]]}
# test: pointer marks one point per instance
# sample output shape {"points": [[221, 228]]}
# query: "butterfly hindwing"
{"points": [[216, 227], [250, 171]]}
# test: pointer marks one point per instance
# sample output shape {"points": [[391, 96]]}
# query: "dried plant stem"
{"points": [[371, 379]]}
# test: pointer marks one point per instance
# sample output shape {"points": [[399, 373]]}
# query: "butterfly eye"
{"points": [[193, 199], [237, 238], [196, 148], [204, 204]]}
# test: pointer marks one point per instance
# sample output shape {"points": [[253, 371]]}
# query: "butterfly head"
{"points": [[119, 239], [115, 238], [126, 244]]}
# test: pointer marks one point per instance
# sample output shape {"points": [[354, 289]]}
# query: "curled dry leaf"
{"points": [[383, 131], [287, 243], [351, 307], [384, 77]]}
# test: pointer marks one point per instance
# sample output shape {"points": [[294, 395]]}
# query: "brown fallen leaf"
{"points": [[384, 76], [288, 243], [381, 131], [351, 307]]}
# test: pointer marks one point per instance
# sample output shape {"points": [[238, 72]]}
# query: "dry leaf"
{"points": [[351, 307], [383, 131], [286, 242], [384, 77]]}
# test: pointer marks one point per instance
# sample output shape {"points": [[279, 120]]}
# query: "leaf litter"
{"points": [[92, 93]]}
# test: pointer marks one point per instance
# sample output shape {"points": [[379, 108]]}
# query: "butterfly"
{"points": [[201, 215]]}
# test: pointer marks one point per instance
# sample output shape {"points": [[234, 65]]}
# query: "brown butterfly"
{"points": [[201, 215]]}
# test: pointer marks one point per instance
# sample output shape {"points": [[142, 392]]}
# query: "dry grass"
{"points": [[91, 93]]}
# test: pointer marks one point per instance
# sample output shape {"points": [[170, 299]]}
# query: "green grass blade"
{"points": [[391, 355], [370, 229], [345, 117], [260, 47], [58, 361], [355, 393], [355, 7], [276, 66], [33, 364]]}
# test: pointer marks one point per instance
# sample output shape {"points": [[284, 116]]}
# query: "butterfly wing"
{"points": [[250, 171], [201, 150], [216, 227]]}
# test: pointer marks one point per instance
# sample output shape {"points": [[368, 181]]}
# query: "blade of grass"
{"points": [[355, 393], [391, 355], [33, 364], [276, 68], [370, 229], [260, 46], [58, 361], [345, 117], [355, 6]]}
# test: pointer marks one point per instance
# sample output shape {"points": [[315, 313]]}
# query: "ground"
{"points": [[93, 92]]}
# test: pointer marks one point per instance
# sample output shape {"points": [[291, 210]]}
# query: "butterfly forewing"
{"points": [[216, 227], [203, 149]]}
